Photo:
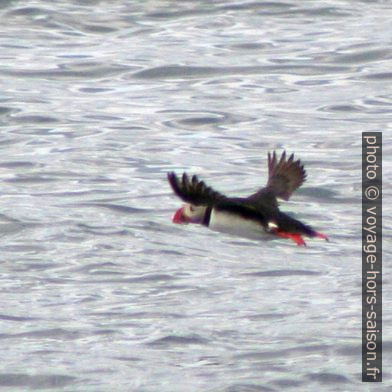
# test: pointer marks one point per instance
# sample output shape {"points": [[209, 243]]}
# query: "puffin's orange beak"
{"points": [[179, 216]]}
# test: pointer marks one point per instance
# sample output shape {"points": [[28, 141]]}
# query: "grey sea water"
{"points": [[99, 100]]}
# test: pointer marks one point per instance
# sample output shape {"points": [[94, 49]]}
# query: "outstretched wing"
{"points": [[194, 191], [284, 177]]}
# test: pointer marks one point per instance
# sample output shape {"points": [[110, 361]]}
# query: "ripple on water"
{"points": [[197, 121], [279, 273], [98, 101], [185, 72], [377, 76], [68, 71], [36, 381], [179, 340]]}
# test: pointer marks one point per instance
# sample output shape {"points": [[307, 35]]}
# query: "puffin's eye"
{"points": [[191, 208]]}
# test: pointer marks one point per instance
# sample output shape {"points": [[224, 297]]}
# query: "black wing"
{"points": [[194, 191], [284, 177]]}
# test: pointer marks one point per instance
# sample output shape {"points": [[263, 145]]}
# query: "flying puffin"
{"points": [[257, 216]]}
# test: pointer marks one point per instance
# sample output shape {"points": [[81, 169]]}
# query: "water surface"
{"points": [[99, 100]]}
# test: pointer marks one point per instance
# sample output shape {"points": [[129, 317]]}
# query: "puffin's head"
{"points": [[189, 213]]}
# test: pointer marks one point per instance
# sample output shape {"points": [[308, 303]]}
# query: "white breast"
{"points": [[234, 224]]}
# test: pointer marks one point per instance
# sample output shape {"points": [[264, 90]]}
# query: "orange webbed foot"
{"points": [[297, 238]]}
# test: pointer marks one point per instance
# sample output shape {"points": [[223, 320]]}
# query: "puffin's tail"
{"points": [[288, 227]]}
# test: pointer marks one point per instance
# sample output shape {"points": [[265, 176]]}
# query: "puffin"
{"points": [[257, 216]]}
